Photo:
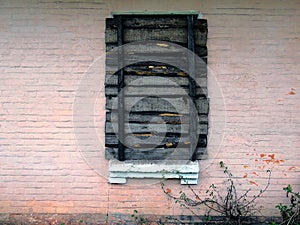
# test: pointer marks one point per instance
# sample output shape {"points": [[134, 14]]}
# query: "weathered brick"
{"points": [[47, 47]]}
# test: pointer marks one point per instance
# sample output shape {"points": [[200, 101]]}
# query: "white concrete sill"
{"points": [[186, 171]]}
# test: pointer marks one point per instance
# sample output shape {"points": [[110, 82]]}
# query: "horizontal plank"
{"points": [[153, 46], [152, 54], [156, 118], [133, 154], [201, 51], [156, 128], [150, 22], [154, 141], [152, 104], [156, 154], [170, 91], [177, 76], [180, 61], [178, 35], [156, 50], [150, 68], [151, 64], [148, 80]]}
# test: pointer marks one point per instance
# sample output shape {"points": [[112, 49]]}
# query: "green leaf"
{"points": [[221, 164], [288, 188]]}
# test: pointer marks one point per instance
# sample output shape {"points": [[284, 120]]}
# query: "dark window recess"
{"points": [[177, 132]]}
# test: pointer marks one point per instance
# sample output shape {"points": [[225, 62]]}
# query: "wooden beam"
{"points": [[175, 35], [168, 118], [154, 141], [143, 128], [121, 153], [171, 91], [162, 105], [156, 153]]}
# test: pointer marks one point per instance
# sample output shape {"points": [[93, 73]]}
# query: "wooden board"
{"points": [[178, 35], [159, 64], [133, 154], [149, 80], [180, 61], [151, 68], [156, 154], [172, 105], [168, 118], [155, 127], [201, 51], [154, 141], [153, 22], [154, 90]]}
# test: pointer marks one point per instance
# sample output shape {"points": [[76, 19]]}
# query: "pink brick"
{"points": [[46, 48]]}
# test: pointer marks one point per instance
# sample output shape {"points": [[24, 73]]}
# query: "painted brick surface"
{"points": [[47, 47]]}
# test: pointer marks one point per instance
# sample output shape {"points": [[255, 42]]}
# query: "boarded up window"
{"points": [[156, 91]]}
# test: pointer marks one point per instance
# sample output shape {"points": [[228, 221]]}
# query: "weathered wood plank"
{"points": [[192, 88], [177, 60], [157, 118], [156, 154], [157, 128], [120, 34], [151, 52], [154, 141], [200, 24], [149, 104], [150, 22], [154, 90], [152, 68], [200, 73], [201, 51], [178, 35], [202, 106], [179, 105], [154, 46], [162, 80], [133, 154], [178, 68]]}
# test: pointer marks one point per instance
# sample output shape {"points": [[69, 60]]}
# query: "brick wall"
{"points": [[47, 47]]}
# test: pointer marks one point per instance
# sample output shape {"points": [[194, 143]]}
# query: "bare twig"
{"points": [[234, 207]]}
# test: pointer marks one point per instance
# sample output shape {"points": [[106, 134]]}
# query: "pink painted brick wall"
{"points": [[46, 47]]}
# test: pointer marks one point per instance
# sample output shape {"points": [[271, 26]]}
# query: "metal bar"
{"points": [[192, 90], [121, 121]]}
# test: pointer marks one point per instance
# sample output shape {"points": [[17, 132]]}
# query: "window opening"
{"points": [[182, 132]]}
